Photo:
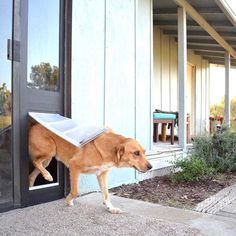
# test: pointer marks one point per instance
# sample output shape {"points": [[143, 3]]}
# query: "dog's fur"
{"points": [[96, 157]]}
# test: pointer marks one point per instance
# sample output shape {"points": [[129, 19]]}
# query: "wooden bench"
{"points": [[171, 121], [164, 123], [163, 118]]}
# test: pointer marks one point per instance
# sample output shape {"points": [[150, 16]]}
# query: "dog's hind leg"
{"points": [[74, 175], [32, 177], [38, 163], [34, 174], [102, 180]]}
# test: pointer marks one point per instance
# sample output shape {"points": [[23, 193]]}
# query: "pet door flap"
{"points": [[67, 129]]}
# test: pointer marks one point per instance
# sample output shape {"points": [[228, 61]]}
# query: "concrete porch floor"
{"points": [[165, 146]]}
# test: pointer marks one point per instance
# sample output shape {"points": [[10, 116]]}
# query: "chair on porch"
{"points": [[170, 118], [163, 118]]}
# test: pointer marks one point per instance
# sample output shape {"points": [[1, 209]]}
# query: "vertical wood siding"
{"points": [[166, 80], [143, 115], [120, 66], [88, 43], [111, 72]]}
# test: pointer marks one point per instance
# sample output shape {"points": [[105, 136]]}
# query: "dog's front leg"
{"points": [[74, 175], [102, 180]]}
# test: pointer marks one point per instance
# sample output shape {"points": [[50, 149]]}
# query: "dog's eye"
{"points": [[136, 153]]}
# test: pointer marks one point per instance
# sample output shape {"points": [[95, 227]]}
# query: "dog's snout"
{"points": [[149, 166]]}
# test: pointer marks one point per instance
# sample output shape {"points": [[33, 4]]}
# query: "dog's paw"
{"points": [[69, 201], [48, 177], [115, 210]]}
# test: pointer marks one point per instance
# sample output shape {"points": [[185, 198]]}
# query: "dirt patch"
{"points": [[183, 195]]}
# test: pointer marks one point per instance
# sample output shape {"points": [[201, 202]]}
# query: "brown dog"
{"points": [[96, 157]]}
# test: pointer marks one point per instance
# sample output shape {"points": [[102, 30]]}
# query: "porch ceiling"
{"points": [[213, 11]]}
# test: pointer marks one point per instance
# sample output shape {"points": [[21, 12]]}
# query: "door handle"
{"points": [[9, 49], [13, 50]]}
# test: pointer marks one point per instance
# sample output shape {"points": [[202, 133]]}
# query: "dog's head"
{"points": [[131, 154]]}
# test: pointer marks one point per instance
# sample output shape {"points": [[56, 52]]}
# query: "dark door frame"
{"points": [[20, 159]]}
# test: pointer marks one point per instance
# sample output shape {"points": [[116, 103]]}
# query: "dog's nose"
{"points": [[149, 166]]}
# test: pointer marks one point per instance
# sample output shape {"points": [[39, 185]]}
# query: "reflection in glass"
{"points": [[6, 193], [43, 61], [43, 45]]}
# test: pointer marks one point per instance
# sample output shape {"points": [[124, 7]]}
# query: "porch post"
{"points": [[182, 76], [227, 99]]}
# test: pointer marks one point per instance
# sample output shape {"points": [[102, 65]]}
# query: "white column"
{"points": [[227, 98], [182, 75]]}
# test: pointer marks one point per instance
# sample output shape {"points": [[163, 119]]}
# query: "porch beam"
{"points": [[182, 76], [233, 61], [205, 25], [190, 32], [201, 33], [209, 41], [209, 54], [224, 23], [202, 10], [202, 41], [206, 42], [208, 48], [164, 11], [227, 97], [221, 62]]}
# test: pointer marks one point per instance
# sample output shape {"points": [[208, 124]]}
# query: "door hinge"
{"points": [[13, 50]]}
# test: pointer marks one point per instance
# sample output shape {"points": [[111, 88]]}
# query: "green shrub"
{"points": [[191, 169], [211, 154], [218, 150]]}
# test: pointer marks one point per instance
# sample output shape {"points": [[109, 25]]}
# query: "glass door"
{"points": [[6, 183], [43, 54], [41, 87], [34, 61]]}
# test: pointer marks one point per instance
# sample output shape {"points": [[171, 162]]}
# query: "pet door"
{"points": [[67, 129]]}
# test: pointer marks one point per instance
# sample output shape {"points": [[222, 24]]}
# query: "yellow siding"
{"points": [[157, 68], [165, 69], [173, 75], [165, 73]]}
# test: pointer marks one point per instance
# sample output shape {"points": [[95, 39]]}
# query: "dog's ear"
{"points": [[120, 150]]}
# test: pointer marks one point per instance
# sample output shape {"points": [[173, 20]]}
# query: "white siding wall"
{"points": [[111, 65], [144, 39], [120, 66], [111, 71], [88, 43], [165, 91]]}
